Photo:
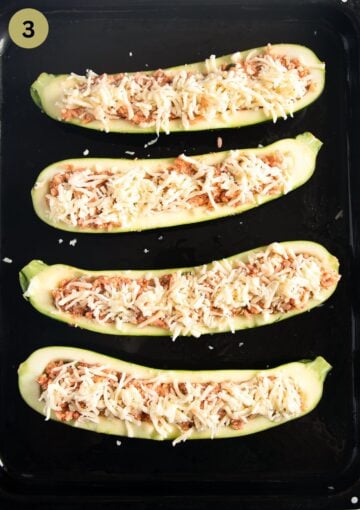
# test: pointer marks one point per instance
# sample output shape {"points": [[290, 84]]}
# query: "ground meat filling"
{"points": [[264, 81], [83, 392], [277, 280], [106, 199]]}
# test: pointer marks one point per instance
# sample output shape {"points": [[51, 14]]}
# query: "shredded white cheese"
{"points": [[276, 280], [87, 197], [260, 81], [85, 393], [339, 215], [151, 142]]}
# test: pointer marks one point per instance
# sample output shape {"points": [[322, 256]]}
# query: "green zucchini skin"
{"points": [[310, 374], [47, 90], [302, 150], [38, 279]]}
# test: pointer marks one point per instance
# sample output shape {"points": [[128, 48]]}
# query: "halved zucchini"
{"points": [[300, 154], [48, 91], [308, 376], [38, 281]]}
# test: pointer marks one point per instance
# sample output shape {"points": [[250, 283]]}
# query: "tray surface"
{"points": [[317, 454]]}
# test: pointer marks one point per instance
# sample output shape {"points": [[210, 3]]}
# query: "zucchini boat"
{"points": [[120, 398], [230, 91], [247, 290], [120, 195]]}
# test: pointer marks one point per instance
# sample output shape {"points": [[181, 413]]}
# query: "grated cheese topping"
{"points": [[116, 197], [191, 302], [86, 392], [260, 81]]}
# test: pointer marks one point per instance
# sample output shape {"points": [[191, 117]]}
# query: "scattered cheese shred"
{"points": [[151, 142], [191, 302], [87, 392], [118, 197], [266, 81]]}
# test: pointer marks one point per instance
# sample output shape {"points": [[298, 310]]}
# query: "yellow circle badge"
{"points": [[28, 28]]}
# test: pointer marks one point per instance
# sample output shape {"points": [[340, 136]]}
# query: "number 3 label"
{"points": [[28, 28], [29, 32]]}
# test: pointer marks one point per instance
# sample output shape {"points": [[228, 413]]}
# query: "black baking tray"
{"points": [[313, 462]]}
